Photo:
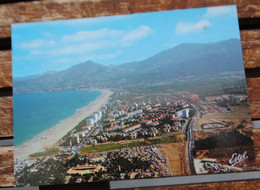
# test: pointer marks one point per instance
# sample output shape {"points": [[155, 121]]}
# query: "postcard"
{"points": [[147, 95]]}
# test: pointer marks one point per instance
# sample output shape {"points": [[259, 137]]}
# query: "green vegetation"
{"points": [[46, 153], [108, 147], [217, 85], [114, 146], [225, 139], [171, 65], [51, 172], [163, 140], [137, 143], [101, 148], [121, 164]]}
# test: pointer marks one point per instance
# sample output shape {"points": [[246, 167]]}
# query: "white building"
{"points": [[183, 113], [186, 113], [99, 113], [90, 121], [137, 112], [94, 117]]}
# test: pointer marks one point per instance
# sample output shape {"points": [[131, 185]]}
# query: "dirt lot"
{"points": [[201, 121], [236, 113], [176, 156]]}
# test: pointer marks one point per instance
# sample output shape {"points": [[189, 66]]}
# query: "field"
{"points": [[201, 121], [130, 144], [111, 146], [163, 140], [175, 154], [236, 113]]}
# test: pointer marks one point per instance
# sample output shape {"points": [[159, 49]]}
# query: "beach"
{"points": [[49, 137]]}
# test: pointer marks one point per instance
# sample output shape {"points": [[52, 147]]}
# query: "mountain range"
{"points": [[181, 61]]}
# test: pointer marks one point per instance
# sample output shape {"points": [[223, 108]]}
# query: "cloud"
{"points": [[37, 44], [91, 35], [46, 34], [125, 37], [189, 27], [136, 34], [222, 10], [86, 43], [73, 49], [36, 52]]}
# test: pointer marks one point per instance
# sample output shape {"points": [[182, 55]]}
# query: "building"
{"points": [[136, 112], [70, 141], [176, 119], [93, 141], [80, 134], [90, 121], [166, 128], [131, 128], [133, 135], [146, 108], [146, 122], [99, 113], [155, 123], [88, 127], [183, 113], [114, 127], [113, 115], [86, 169], [95, 132], [95, 117]]}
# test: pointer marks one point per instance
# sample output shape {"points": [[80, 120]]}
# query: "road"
{"points": [[190, 140], [190, 146]]}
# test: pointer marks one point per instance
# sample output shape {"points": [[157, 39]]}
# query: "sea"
{"points": [[38, 112]]}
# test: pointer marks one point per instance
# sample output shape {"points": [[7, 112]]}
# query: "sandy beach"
{"points": [[48, 138]]}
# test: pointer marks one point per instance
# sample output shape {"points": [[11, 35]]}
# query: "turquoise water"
{"points": [[35, 113]]}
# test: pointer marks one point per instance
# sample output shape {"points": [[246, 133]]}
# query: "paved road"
{"points": [[190, 146], [190, 139]]}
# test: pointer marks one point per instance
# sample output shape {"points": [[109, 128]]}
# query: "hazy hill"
{"points": [[191, 59]]}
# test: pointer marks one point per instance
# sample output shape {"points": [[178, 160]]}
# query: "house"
{"points": [[146, 108], [87, 127], [110, 119], [95, 132], [155, 123], [82, 133], [176, 119], [166, 128], [114, 127], [131, 128], [133, 135], [93, 141], [146, 122]]}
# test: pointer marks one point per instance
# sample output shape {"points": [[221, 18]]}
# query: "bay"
{"points": [[38, 112]]}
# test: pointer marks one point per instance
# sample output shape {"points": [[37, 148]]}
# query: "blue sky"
{"points": [[40, 47]]}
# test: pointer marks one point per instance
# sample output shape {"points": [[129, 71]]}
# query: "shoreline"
{"points": [[49, 137]]}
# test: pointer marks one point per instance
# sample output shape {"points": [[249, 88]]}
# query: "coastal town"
{"points": [[129, 97], [140, 135]]}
